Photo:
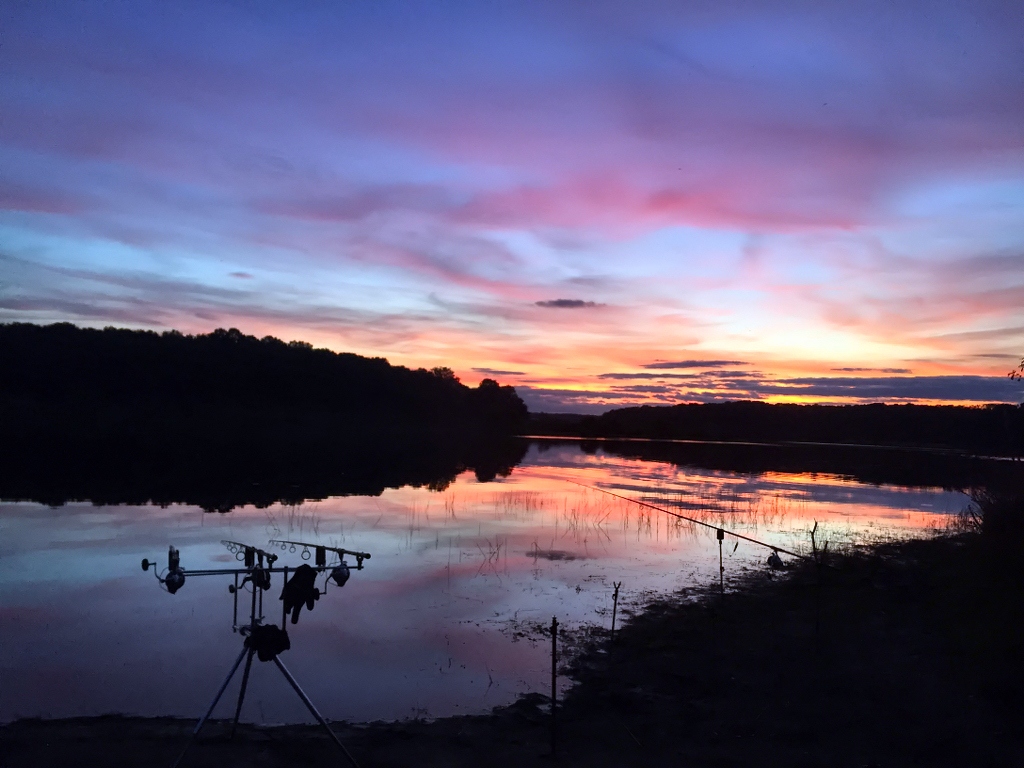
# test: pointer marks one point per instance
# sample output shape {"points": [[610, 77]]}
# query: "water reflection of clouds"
{"points": [[434, 622], [693, 487]]}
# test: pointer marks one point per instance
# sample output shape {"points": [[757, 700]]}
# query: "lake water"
{"points": [[444, 618]]}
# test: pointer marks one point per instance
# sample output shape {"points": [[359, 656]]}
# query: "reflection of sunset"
{"points": [[441, 619]]}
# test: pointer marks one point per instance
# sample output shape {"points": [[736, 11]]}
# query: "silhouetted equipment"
{"points": [[720, 531], [721, 563], [615, 606], [321, 552], [300, 590], [174, 577], [340, 574], [266, 641], [554, 689]]}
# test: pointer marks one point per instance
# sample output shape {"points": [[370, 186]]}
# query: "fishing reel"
{"points": [[174, 577]]}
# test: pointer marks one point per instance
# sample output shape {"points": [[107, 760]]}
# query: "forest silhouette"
{"points": [[222, 419], [906, 467], [991, 429]]}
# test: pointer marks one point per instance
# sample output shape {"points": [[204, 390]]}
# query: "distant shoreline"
{"points": [[992, 430], [780, 443]]}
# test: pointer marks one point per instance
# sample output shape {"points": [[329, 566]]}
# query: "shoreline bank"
{"points": [[905, 653]]}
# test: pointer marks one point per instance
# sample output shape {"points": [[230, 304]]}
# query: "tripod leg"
{"points": [[204, 718], [241, 692], [312, 709]]}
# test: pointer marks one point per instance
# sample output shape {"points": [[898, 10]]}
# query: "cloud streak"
{"points": [[493, 372], [695, 364], [566, 304], [873, 370]]}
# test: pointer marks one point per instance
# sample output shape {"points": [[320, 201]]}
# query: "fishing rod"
{"points": [[691, 520]]}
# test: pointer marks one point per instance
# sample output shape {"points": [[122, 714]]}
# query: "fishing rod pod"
{"points": [[266, 641]]}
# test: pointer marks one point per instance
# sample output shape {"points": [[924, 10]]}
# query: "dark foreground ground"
{"points": [[903, 654]]}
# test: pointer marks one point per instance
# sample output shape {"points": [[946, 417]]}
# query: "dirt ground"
{"points": [[895, 655]]}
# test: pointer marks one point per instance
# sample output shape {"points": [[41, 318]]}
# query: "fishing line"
{"points": [[691, 520]]}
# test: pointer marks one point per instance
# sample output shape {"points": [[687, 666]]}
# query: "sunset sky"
{"points": [[601, 203]]}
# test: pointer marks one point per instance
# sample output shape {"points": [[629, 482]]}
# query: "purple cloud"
{"points": [[649, 376], [566, 304], [695, 364], [873, 370], [493, 372]]}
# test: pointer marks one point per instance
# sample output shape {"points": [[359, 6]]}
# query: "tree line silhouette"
{"points": [[119, 368], [225, 418], [995, 429], [875, 466]]}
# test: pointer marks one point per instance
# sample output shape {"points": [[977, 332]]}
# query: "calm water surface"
{"points": [[444, 617]]}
